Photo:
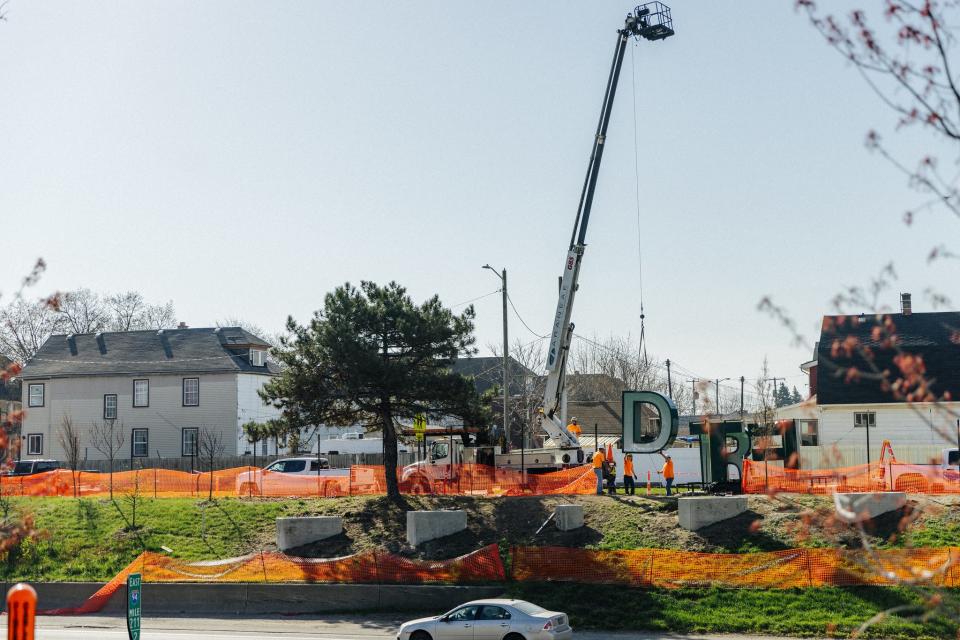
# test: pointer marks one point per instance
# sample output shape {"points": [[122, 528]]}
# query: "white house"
{"points": [[850, 402], [160, 387]]}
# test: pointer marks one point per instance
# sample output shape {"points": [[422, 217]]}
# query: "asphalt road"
{"points": [[374, 627]]}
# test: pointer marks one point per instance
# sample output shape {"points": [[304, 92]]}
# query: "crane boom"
{"points": [[653, 22]]}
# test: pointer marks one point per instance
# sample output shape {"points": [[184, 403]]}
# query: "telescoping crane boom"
{"points": [[651, 21]]}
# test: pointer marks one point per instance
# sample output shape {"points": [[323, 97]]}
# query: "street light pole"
{"points": [[718, 381], [506, 357]]}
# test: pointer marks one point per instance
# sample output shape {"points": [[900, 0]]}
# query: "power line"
{"points": [[466, 302], [522, 321]]}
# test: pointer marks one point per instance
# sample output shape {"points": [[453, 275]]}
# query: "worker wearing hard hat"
{"points": [[574, 429], [598, 460], [667, 471]]}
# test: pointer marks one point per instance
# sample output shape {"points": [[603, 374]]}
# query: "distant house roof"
{"points": [[605, 414], [209, 350], [935, 337], [488, 371]]}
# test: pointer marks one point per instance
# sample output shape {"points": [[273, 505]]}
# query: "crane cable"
{"points": [[636, 172]]}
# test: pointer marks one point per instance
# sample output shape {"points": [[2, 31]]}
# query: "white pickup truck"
{"points": [[924, 478], [294, 476]]}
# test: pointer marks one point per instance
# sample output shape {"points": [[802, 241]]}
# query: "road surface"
{"points": [[373, 627]]}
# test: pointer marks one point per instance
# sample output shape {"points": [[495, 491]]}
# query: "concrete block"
{"points": [[296, 532], [430, 525], [698, 512], [568, 516], [860, 507]]}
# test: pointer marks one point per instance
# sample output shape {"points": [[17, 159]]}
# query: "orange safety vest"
{"points": [[598, 460], [668, 469], [628, 467], [574, 429]]}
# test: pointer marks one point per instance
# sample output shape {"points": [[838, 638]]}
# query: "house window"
{"points": [[256, 357], [866, 419], [35, 395], [141, 393], [188, 442], [35, 444], [110, 406], [191, 392], [264, 446], [140, 443], [809, 433]]}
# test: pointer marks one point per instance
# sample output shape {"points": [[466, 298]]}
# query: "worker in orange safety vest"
{"points": [[667, 471], [598, 460]]}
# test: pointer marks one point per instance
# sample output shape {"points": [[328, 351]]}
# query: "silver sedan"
{"points": [[490, 620]]}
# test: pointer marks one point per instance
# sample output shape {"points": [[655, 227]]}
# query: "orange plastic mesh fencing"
{"points": [[466, 479], [760, 477], [774, 570], [369, 567]]}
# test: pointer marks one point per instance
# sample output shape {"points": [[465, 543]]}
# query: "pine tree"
{"points": [[797, 398], [782, 395], [372, 357]]}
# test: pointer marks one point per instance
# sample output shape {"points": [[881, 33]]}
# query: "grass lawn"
{"points": [[92, 540], [797, 612]]}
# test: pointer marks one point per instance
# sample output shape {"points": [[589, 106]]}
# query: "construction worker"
{"points": [[574, 429], [598, 460], [667, 470], [629, 476], [611, 474]]}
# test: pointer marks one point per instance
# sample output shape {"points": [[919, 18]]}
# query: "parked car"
{"points": [[294, 476], [31, 467], [494, 619]]}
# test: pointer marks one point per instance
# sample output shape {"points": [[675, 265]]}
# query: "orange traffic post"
{"points": [[648, 482], [21, 612]]}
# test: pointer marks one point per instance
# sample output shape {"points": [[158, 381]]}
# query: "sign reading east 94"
{"points": [[133, 605]]}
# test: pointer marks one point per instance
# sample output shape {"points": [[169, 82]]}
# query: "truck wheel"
{"points": [[420, 485], [420, 635], [514, 636], [249, 489]]}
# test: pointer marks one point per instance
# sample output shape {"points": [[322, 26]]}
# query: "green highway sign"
{"points": [[133, 605]]}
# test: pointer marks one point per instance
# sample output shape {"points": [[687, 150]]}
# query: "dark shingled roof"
{"points": [[933, 336], [208, 350], [488, 371]]}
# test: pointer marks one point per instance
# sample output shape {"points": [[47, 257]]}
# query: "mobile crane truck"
{"points": [[651, 21]]}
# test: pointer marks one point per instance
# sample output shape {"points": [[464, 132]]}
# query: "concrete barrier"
{"points": [[860, 507], [701, 511], [296, 532], [568, 516], [170, 598], [430, 525]]}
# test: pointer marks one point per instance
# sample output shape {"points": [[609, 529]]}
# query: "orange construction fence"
{"points": [[760, 477], [660, 568], [665, 568], [370, 567], [466, 479]]}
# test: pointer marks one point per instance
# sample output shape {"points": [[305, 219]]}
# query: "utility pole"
{"points": [[773, 393], [741, 397], [506, 362], [669, 381], [693, 396], [506, 355]]}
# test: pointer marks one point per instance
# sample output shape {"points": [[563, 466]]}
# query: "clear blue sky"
{"points": [[243, 158]]}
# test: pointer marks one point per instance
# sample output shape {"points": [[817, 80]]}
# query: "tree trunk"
{"points": [[389, 451]]}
